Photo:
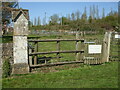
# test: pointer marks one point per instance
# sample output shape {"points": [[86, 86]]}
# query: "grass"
{"points": [[99, 76]]}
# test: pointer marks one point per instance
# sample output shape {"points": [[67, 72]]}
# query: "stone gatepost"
{"points": [[20, 44]]}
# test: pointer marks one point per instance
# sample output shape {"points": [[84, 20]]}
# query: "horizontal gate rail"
{"points": [[54, 40], [51, 52], [115, 44], [53, 64], [115, 51]]}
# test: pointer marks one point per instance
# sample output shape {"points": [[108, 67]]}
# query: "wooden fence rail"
{"points": [[78, 51], [56, 40], [51, 52]]}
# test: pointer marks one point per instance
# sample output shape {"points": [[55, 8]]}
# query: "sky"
{"points": [[63, 8], [67, 0]]}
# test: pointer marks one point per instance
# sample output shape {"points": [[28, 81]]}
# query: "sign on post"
{"points": [[117, 36], [92, 49]]}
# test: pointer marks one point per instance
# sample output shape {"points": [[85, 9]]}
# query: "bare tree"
{"points": [[6, 11], [7, 14], [77, 15]]}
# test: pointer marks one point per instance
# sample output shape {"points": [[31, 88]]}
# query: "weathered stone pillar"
{"points": [[20, 52]]}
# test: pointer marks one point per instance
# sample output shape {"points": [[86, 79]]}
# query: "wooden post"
{"points": [[106, 47], [82, 49], [1, 63], [30, 57], [77, 46], [20, 44], [36, 50], [58, 49], [82, 46]]}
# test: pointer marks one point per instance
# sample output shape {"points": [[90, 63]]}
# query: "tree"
{"points": [[84, 15], [103, 13], [73, 17], [54, 19], [44, 21], [97, 12], [31, 23], [10, 4], [35, 21], [111, 13], [77, 15], [7, 14], [65, 21], [91, 12], [68, 16], [38, 21], [90, 19], [6, 11], [94, 12]]}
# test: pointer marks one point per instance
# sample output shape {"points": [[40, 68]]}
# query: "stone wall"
{"points": [[7, 52]]}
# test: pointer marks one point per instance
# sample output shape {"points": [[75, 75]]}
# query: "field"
{"points": [[84, 76]]}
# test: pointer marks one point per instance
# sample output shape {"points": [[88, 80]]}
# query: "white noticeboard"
{"points": [[117, 36], [94, 49]]}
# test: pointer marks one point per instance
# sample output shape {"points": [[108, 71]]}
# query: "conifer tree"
{"points": [[77, 15], [38, 21], [97, 12], [35, 21], [91, 12], [73, 16], [84, 15], [103, 13]]}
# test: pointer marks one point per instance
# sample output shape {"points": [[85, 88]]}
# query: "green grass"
{"points": [[99, 76]]}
